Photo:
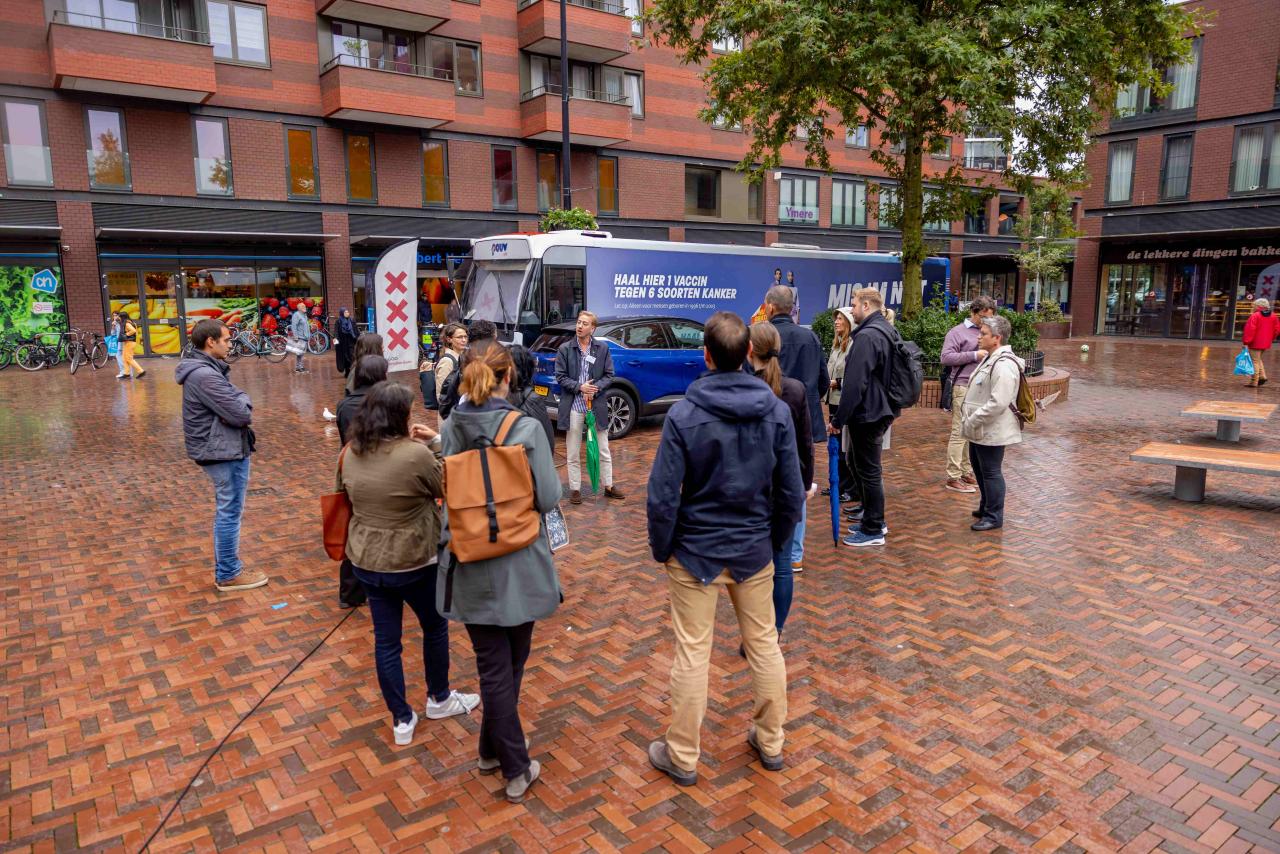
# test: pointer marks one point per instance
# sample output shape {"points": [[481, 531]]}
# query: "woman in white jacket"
{"points": [[990, 424]]}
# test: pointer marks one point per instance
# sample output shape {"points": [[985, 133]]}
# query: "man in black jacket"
{"points": [[584, 369], [215, 424], [865, 409], [724, 493]]}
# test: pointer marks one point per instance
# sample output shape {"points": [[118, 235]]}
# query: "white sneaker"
{"points": [[456, 703], [404, 731], [121, 376]]}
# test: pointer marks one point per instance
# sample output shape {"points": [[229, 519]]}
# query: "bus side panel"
{"points": [[695, 285]]}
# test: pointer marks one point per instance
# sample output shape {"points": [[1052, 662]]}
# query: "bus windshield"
{"points": [[492, 291]]}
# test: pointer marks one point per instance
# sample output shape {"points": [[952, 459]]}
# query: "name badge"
{"points": [[591, 360]]}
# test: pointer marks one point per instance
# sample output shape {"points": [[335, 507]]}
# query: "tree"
{"points": [[1042, 72], [1046, 234]]}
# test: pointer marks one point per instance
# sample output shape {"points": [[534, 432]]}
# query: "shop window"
{"points": [[303, 180], [27, 312], [1260, 279], [798, 199], [258, 294], [1135, 299], [107, 153], [848, 203], [548, 180], [435, 173], [238, 31], [1255, 164], [362, 175], [701, 191], [1000, 285], [504, 178], [856, 137], [367, 46], [213, 157], [1136, 100], [607, 185], [889, 213], [26, 143], [1175, 171]]}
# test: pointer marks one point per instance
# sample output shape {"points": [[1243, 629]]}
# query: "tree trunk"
{"points": [[912, 200]]}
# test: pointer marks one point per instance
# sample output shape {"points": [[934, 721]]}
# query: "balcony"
{"points": [[599, 30], [595, 118], [128, 57], [358, 89], [417, 16]]}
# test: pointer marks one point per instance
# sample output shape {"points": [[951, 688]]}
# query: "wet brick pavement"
{"points": [[1102, 675]]}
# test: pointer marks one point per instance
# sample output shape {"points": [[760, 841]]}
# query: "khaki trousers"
{"points": [[1259, 371], [957, 448], [693, 615], [573, 450]]}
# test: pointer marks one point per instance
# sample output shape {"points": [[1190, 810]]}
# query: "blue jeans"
{"points": [[388, 593], [797, 548], [120, 359], [230, 482]]}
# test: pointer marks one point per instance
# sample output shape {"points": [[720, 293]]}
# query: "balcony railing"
{"points": [[28, 164], [986, 162], [575, 93], [598, 5], [131, 27], [392, 65], [108, 170]]}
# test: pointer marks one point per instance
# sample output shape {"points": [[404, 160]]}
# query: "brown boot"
{"points": [[612, 492], [575, 497]]}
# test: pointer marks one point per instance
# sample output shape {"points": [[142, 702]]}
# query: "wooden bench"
{"points": [[1192, 461], [1230, 415]]}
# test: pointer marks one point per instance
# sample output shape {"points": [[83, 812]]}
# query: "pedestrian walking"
{"points": [[764, 361], [498, 600], [345, 342], [117, 330], [843, 321], [392, 477], [584, 369], [299, 331], [801, 359], [447, 371], [960, 353], [866, 411], [1260, 332], [128, 338], [216, 418], [990, 422], [724, 495], [368, 344], [524, 398]]}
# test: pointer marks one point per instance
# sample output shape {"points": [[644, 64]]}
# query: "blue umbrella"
{"points": [[833, 472]]}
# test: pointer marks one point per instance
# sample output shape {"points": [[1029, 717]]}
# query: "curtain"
{"points": [[1273, 173], [635, 94], [1183, 78], [1248, 165], [1120, 185]]}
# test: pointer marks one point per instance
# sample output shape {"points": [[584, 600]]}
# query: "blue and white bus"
{"points": [[525, 282]]}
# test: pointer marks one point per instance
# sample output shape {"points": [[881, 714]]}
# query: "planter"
{"points": [[1054, 330], [1035, 363]]}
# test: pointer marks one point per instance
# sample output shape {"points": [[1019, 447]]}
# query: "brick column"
{"points": [[770, 237], [1086, 281], [80, 277], [675, 233], [337, 263]]}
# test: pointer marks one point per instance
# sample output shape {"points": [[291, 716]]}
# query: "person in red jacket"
{"points": [[1260, 331]]}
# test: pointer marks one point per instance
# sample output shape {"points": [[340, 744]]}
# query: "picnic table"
{"points": [[1230, 415]]}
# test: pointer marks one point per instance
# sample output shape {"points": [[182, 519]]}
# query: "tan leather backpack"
{"points": [[488, 491]]}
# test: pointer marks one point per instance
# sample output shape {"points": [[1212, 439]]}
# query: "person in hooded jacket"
{"points": [[724, 497], [345, 341], [498, 600], [524, 398], [1260, 332], [990, 424]]}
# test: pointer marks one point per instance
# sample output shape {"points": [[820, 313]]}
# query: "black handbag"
{"points": [[947, 382]]}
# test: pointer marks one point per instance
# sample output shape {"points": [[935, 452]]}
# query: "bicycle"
{"points": [[34, 354], [8, 347], [87, 347], [251, 342], [319, 341]]}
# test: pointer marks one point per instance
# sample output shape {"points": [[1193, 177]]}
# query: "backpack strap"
{"points": [[338, 485], [507, 424]]}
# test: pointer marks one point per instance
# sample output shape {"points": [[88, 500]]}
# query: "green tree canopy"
{"points": [[1039, 72]]}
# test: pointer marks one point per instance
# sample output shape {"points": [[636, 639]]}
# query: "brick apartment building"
{"points": [[169, 156], [1182, 217]]}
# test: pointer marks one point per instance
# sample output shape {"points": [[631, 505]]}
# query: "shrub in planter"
{"points": [[573, 219], [824, 326]]}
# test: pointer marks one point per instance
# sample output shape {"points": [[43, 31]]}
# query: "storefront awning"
{"points": [[211, 236], [388, 239], [51, 231]]}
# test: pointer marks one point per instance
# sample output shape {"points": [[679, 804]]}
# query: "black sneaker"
{"points": [[770, 763]]}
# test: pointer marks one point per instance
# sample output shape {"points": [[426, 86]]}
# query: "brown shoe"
{"points": [[969, 479], [960, 486], [612, 492], [246, 580], [575, 497]]}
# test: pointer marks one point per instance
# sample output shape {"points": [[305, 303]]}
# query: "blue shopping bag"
{"points": [[1244, 363], [113, 345]]}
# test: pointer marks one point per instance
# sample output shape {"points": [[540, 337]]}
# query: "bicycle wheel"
{"points": [[30, 357], [73, 356], [273, 349], [318, 342], [98, 358], [236, 350], [6, 356]]}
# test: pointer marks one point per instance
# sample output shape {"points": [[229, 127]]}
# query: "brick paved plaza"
{"points": [[1103, 674]]}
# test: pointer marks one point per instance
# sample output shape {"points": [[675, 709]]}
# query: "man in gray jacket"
{"points": [[215, 424]]}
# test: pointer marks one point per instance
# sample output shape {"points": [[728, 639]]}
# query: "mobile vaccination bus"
{"points": [[525, 282]]}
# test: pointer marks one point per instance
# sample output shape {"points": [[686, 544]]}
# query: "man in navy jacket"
{"points": [[584, 369], [724, 494]]}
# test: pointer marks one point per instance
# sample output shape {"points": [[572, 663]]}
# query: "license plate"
{"points": [[542, 390]]}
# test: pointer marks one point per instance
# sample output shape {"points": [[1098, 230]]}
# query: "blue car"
{"points": [[654, 361]]}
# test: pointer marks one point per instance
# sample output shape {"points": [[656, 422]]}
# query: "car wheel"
{"points": [[622, 412]]}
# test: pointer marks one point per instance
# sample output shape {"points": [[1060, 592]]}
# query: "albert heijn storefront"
{"points": [[1190, 288]]}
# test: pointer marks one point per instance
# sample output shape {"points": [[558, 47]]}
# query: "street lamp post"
{"points": [[566, 195], [1040, 239]]}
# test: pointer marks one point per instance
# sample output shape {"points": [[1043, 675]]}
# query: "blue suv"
{"points": [[654, 361]]}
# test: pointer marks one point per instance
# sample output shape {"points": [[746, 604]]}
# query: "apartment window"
{"points": [[848, 203], [1255, 165], [898, 147], [107, 153], [975, 221], [362, 175], [117, 15], [459, 62], [633, 9], [238, 31], [940, 148], [1120, 171], [1175, 171], [856, 137], [26, 143], [888, 213], [367, 46], [607, 185], [802, 132], [722, 123], [932, 198], [504, 177], [1007, 214], [982, 151], [435, 173], [548, 180], [727, 44], [701, 191], [1135, 100], [303, 181], [798, 199], [213, 157]]}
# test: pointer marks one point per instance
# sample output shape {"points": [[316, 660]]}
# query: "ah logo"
{"points": [[45, 282], [499, 248]]}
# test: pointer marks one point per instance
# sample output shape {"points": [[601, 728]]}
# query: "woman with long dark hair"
{"points": [[523, 397], [766, 345], [499, 599], [368, 344], [392, 477], [840, 346], [345, 341]]}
